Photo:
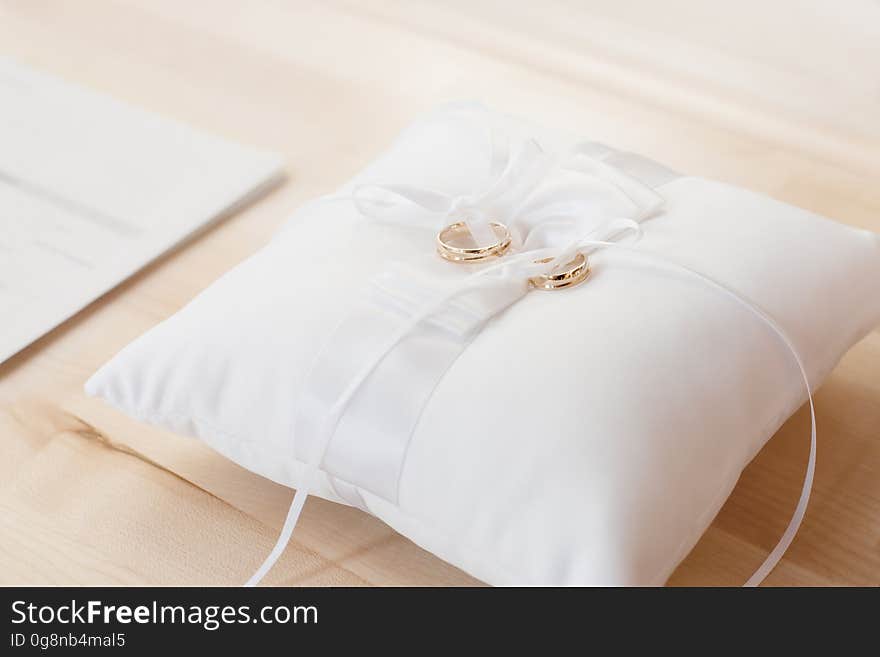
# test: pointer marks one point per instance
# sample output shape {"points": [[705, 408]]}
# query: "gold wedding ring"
{"points": [[455, 243], [567, 275]]}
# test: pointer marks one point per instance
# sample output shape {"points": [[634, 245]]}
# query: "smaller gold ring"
{"points": [[567, 275], [459, 231]]}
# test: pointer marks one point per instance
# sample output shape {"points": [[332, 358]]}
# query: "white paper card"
{"points": [[92, 189]]}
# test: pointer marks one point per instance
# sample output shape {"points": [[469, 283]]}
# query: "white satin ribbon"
{"points": [[509, 197]]}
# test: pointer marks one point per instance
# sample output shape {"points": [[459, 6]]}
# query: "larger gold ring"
{"points": [[455, 243], [564, 276]]}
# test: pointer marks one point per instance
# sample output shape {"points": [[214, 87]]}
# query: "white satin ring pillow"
{"points": [[580, 436]]}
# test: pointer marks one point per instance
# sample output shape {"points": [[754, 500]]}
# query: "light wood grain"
{"points": [[780, 97]]}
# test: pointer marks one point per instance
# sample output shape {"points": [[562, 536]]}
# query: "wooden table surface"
{"points": [[780, 97]]}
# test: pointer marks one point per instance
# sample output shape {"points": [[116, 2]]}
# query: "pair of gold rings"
{"points": [[456, 244]]}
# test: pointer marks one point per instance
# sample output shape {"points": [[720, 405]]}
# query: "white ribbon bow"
{"points": [[510, 197]]}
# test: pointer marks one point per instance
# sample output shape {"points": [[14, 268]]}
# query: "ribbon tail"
{"points": [[797, 517], [296, 507]]}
